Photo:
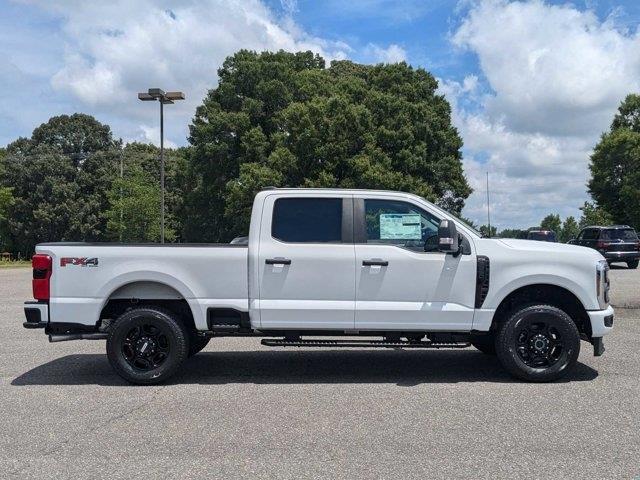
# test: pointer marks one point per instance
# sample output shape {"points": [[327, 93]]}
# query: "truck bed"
{"points": [[86, 275]]}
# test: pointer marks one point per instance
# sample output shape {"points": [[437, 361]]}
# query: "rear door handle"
{"points": [[278, 261], [375, 263]]}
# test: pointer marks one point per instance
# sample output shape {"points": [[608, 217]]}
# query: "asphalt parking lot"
{"points": [[242, 410]]}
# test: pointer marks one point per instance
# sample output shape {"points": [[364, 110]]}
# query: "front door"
{"points": [[306, 263], [402, 281]]}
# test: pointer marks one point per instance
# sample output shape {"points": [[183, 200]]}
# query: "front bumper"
{"points": [[37, 314], [601, 325]]}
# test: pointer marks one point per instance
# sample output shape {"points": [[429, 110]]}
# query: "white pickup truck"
{"points": [[378, 269]]}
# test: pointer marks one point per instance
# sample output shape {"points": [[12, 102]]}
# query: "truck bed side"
{"points": [[86, 276]]}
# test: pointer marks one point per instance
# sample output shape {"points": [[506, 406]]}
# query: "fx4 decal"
{"points": [[82, 261]]}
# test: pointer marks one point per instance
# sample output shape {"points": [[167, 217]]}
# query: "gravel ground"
{"points": [[242, 410]]}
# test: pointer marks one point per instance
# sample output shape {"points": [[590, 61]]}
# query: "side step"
{"points": [[283, 342]]}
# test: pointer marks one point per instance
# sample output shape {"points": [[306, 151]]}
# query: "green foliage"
{"points": [[551, 222], [615, 166], [594, 215], [628, 116], [133, 213], [282, 119], [484, 230], [570, 229], [6, 200], [513, 233]]}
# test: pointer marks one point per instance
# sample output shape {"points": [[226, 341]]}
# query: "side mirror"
{"points": [[448, 241], [572, 241]]}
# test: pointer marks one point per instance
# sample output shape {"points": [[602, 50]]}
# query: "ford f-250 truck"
{"points": [[379, 269]]}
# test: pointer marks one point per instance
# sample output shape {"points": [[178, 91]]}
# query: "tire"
{"points": [[538, 343], [485, 343], [633, 264], [196, 344], [147, 345]]}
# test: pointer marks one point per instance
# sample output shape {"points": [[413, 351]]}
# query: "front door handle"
{"points": [[278, 261], [375, 263]]}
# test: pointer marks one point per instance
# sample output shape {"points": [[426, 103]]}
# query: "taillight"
{"points": [[602, 245], [41, 274]]}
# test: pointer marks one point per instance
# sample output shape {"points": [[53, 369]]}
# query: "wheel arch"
{"points": [[545, 293], [147, 288]]}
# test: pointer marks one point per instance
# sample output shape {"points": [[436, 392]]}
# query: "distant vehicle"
{"points": [[617, 243], [542, 235]]}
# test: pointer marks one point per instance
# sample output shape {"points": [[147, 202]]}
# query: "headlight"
{"points": [[602, 283]]}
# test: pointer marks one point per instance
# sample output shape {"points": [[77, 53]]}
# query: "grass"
{"points": [[15, 263]]}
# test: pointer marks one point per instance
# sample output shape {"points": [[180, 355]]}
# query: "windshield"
{"points": [[624, 234]]}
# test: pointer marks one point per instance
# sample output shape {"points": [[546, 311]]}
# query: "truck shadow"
{"points": [[400, 367]]}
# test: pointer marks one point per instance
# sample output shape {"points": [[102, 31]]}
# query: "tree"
{"points": [[570, 229], [133, 213], [283, 119], [484, 230], [551, 222], [59, 179], [593, 215], [615, 166], [513, 233], [6, 200]]}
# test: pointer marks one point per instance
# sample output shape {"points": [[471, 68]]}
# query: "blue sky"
{"points": [[532, 84]]}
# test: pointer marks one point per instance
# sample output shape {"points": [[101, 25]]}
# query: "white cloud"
{"points": [[392, 54], [552, 78], [172, 45]]}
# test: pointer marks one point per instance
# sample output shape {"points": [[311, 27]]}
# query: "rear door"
{"points": [[399, 284], [306, 262]]}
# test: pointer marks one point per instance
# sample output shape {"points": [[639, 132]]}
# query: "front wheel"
{"points": [[146, 345], [538, 343], [633, 264]]}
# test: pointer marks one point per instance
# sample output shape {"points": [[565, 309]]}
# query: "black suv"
{"points": [[617, 243]]}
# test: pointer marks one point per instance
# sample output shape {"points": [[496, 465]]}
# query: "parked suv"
{"points": [[617, 243], [542, 235]]}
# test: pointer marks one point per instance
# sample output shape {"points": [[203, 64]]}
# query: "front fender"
{"points": [[497, 295]]}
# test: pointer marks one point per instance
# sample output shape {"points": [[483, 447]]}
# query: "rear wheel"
{"points": [[538, 343], [485, 343], [146, 345], [633, 264]]}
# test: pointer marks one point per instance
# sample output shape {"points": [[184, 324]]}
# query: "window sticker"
{"points": [[400, 226]]}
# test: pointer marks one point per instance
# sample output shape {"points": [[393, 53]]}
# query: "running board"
{"points": [[282, 342]]}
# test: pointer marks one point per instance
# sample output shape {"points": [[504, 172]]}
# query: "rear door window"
{"points": [[307, 220]]}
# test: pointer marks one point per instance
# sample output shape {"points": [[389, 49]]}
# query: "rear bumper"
{"points": [[36, 314], [621, 256]]}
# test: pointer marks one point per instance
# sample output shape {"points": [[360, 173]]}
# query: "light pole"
{"points": [[164, 98]]}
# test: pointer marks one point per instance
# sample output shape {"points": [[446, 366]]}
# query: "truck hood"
{"points": [[551, 247]]}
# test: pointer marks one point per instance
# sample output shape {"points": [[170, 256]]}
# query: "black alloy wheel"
{"points": [[146, 345], [538, 343]]}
